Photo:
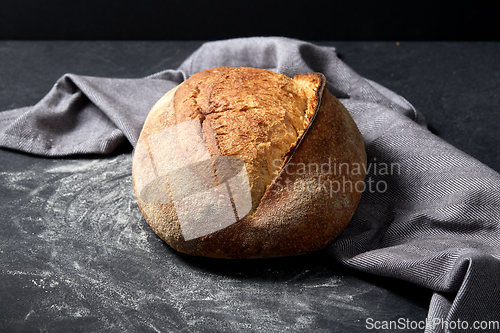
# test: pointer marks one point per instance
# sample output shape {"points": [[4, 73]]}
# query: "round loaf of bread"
{"points": [[240, 162]]}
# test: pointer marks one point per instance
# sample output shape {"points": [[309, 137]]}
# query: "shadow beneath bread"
{"points": [[313, 269]]}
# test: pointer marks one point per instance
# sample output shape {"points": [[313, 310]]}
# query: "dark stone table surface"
{"points": [[77, 256]]}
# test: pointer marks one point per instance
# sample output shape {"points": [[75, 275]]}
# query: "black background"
{"points": [[220, 19]]}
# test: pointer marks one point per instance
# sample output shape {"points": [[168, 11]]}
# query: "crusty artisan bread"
{"points": [[240, 162]]}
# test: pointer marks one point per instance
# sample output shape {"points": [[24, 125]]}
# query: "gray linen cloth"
{"points": [[433, 219]]}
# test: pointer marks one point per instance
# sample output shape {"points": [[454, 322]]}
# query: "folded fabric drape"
{"points": [[429, 214]]}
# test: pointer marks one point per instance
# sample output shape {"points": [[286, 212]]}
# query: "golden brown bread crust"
{"points": [[288, 132], [255, 115]]}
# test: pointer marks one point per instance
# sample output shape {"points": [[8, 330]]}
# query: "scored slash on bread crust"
{"points": [[250, 114], [271, 123]]}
